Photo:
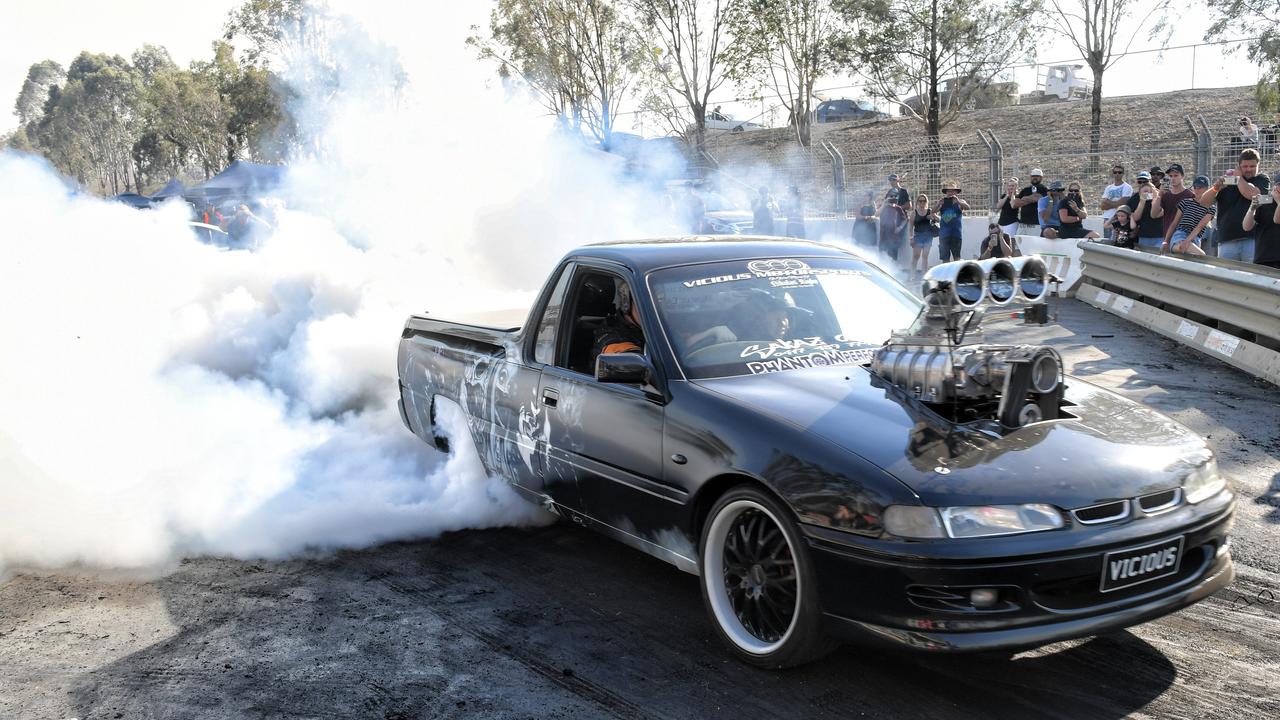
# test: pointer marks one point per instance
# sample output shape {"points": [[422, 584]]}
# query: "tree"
{"points": [[1097, 28], [42, 76], [277, 30], [578, 57], [954, 53], [89, 128], [1259, 19], [685, 65], [150, 60], [786, 46]]}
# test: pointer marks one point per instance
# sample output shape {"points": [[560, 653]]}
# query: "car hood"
{"points": [[1113, 447]]}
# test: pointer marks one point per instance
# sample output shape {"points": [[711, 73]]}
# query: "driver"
{"points": [[761, 316], [621, 331]]}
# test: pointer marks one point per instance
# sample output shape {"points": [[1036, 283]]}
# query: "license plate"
{"points": [[1134, 566]]}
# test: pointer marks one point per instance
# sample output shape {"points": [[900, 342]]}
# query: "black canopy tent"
{"points": [[173, 188], [241, 180]]}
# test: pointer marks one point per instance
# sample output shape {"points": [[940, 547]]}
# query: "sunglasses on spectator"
{"points": [[1117, 171], [1142, 181]]}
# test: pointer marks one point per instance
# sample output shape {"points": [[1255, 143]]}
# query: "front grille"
{"points": [[1161, 501], [1102, 512]]}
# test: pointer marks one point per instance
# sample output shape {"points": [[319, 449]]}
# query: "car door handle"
{"points": [[550, 396]]}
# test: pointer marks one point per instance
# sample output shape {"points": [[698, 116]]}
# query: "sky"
{"points": [[60, 29]]}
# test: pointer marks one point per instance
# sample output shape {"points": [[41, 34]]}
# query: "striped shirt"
{"points": [[1192, 213]]}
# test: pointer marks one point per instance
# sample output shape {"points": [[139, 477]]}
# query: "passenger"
{"points": [[621, 332]]}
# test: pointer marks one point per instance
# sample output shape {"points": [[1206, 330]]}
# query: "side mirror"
{"points": [[627, 368]]}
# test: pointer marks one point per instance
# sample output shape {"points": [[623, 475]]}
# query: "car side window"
{"points": [[592, 316], [544, 349]]}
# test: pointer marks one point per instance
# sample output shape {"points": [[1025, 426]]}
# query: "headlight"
{"points": [[913, 521], [1000, 520], [917, 522], [1203, 483]]}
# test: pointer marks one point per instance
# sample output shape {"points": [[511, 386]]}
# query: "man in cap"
{"points": [[893, 217], [1157, 177], [1028, 201], [1147, 213], [1175, 192], [1113, 196], [1047, 211], [950, 221], [1234, 194]]}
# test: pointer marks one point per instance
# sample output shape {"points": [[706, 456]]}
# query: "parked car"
{"points": [[844, 109], [769, 427], [716, 119], [723, 217]]}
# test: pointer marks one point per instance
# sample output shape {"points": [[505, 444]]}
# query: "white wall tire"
{"points": [[757, 581]]}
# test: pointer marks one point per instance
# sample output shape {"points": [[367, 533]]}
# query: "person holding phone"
{"points": [[1264, 220], [1147, 213], [1234, 194], [950, 211], [997, 244], [1071, 213]]}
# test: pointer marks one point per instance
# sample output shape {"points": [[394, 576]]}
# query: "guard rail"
{"points": [[1226, 309]]}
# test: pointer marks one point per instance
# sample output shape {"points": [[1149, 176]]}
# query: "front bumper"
{"points": [[1050, 596]]}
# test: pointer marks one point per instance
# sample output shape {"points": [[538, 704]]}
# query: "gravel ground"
{"points": [[557, 622]]}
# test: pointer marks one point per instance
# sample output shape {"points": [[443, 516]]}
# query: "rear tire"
{"points": [[441, 441], [758, 582]]}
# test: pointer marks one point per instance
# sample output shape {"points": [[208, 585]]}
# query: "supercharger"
{"points": [[941, 358]]}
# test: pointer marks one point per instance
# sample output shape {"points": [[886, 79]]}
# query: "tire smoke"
{"points": [[161, 397]]}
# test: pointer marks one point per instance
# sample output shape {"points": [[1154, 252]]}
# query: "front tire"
{"points": [[758, 582]]}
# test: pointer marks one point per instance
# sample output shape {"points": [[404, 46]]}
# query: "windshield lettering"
{"points": [[764, 315]]}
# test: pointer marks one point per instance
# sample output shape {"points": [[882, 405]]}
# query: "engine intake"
{"points": [[941, 357]]}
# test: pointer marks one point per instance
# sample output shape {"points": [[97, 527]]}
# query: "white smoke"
{"points": [[160, 397]]}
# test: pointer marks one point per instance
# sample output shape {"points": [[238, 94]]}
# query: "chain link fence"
{"points": [[836, 179]]}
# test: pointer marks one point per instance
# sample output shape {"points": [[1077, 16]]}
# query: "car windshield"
{"points": [[747, 317]]}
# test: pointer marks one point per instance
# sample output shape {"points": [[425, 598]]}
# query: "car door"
{"points": [[607, 437]]}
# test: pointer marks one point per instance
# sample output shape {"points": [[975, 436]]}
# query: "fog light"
{"points": [[984, 597]]}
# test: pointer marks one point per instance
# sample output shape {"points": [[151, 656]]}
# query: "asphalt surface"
{"points": [[557, 622]]}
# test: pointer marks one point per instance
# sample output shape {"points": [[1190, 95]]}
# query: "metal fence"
{"points": [[836, 179]]}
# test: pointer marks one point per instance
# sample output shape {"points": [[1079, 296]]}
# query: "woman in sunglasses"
{"points": [[1071, 212]]}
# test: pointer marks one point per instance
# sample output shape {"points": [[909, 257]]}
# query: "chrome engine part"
{"points": [[941, 357]]}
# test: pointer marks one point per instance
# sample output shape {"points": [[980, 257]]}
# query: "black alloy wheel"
{"points": [[757, 581]]}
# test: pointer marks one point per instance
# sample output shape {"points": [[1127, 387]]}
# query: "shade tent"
{"points": [[240, 180], [133, 200], [173, 188]]}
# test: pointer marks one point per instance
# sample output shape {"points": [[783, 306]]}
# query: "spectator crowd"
{"points": [[1234, 216]]}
